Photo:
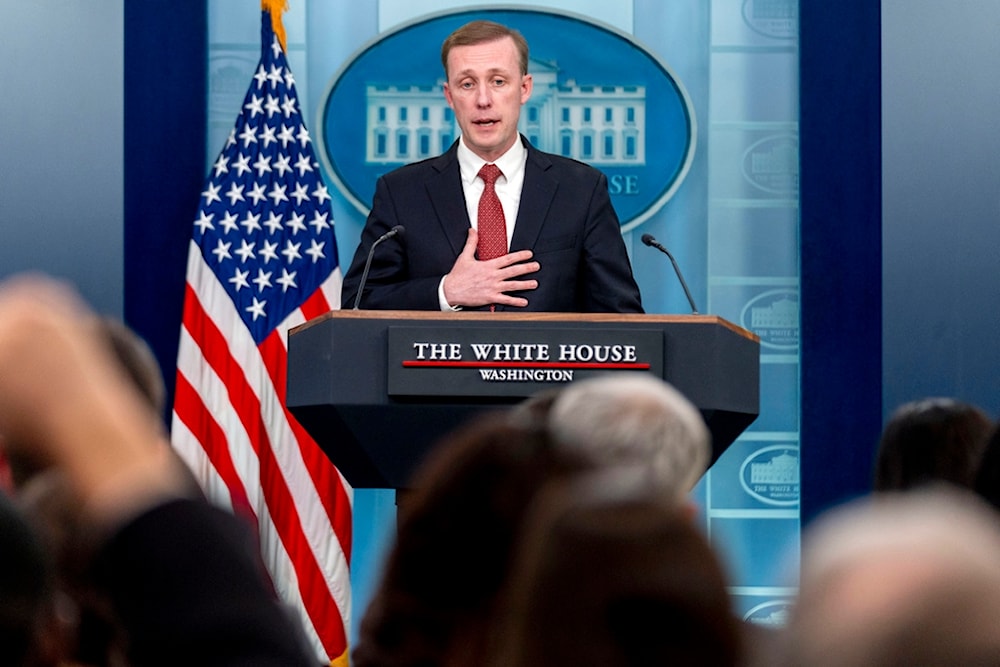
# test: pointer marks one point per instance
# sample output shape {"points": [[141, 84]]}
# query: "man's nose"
{"points": [[484, 96]]}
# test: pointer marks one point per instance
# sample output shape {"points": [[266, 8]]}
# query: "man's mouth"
{"points": [[486, 122]]}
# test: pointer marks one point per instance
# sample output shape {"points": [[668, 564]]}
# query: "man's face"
{"points": [[485, 88]]}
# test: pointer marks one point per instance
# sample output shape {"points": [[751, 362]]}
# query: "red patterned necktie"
{"points": [[492, 227]]}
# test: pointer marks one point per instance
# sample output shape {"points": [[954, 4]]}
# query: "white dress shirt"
{"points": [[508, 188]]}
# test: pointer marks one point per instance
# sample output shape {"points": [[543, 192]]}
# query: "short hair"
{"points": [[898, 578], [635, 419], [480, 32], [931, 440], [987, 481], [456, 533], [137, 360], [26, 588], [609, 572]]}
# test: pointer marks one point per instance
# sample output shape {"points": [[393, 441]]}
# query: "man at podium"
{"points": [[493, 223]]}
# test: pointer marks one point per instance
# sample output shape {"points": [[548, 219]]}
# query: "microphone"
{"points": [[653, 243], [398, 229]]}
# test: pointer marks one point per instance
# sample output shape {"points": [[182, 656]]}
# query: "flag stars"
{"points": [[260, 76], [204, 221], [265, 188], [301, 193], [251, 222], [242, 164], [273, 222], [262, 165], [256, 309], [296, 223], [287, 280], [303, 136], [267, 136], [321, 194], [248, 135], [254, 105], [235, 194], [281, 164], [269, 251], [319, 222], [239, 279], [277, 193], [257, 193], [228, 222], [272, 106], [221, 251], [303, 165], [211, 194], [291, 251], [221, 165], [263, 280], [245, 251], [316, 250], [275, 75]]}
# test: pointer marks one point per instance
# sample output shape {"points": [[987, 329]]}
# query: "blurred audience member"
{"points": [[931, 440], [611, 572], [43, 494], [179, 575], [898, 579], [456, 531], [987, 482], [635, 419], [138, 361], [28, 616]]}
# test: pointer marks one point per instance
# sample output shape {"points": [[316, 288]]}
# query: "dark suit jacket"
{"points": [[565, 217], [186, 587]]}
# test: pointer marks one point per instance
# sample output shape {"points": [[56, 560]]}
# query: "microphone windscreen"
{"points": [[648, 239]]}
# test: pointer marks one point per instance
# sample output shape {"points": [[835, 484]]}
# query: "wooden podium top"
{"points": [[480, 316]]}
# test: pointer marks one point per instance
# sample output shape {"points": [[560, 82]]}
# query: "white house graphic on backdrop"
{"points": [[781, 469], [601, 125], [783, 313]]}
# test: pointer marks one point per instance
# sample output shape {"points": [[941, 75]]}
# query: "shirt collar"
{"points": [[510, 163]]}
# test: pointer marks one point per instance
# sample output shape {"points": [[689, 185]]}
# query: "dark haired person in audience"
{"points": [[611, 572], [559, 246], [898, 579], [181, 576], [987, 480], [931, 440], [456, 532], [29, 632], [49, 504]]}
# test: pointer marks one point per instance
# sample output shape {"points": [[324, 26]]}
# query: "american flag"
{"points": [[263, 259]]}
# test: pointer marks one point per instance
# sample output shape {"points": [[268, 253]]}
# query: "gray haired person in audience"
{"points": [[635, 419], [906, 578]]}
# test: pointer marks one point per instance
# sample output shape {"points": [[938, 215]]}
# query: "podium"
{"points": [[377, 389]]}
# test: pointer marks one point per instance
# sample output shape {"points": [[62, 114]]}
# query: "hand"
{"points": [[474, 283], [66, 403]]}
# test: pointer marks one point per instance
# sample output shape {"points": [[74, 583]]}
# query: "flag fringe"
{"points": [[276, 8]]}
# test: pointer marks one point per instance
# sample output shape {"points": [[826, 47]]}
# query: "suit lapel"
{"points": [[444, 188], [536, 197]]}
